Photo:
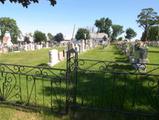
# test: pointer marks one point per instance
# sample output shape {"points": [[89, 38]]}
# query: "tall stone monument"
{"points": [[7, 39]]}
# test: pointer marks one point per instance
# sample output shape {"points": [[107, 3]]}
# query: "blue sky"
{"points": [[83, 13]]}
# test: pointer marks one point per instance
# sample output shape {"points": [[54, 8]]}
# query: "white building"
{"points": [[98, 36]]}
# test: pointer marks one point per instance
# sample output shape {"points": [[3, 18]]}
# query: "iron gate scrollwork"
{"points": [[34, 87], [72, 71]]}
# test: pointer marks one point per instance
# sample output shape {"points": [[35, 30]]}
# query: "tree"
{"points": [[157, 23], [104, 25], [59, 37], [8, 24], [50, 36], [82, 33], [26, 39], [146, 19], [39, 37], [153, 33], [117, 30], [130, 33], [25, 3], [120, 38]]}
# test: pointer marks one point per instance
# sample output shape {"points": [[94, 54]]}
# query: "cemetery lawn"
{"points": [[31, 58], [13, 114], [153, 55], [34, 58]]}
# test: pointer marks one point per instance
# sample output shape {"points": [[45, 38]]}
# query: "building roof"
{"points": [[98, 35]]}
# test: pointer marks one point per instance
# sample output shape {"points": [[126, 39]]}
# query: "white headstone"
{"points": [[91, 43], [26, 47], [53, 57], [7, 39], [83, 46], [47, 44]]}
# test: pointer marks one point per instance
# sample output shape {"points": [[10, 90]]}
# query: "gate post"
{"points": [[71, 78]]}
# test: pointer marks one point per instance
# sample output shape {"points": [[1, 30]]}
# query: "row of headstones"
{"points": [[153, 43], [34, 46], [23, 47], [80, 46], [137, 52]]}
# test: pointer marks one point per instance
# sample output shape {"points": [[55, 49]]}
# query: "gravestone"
{"points": [[82, 45], [26, 47], [61, 56], [77, 47], [90, 43], [32, 46], [53, 57], [7, 39], [143, 55], [5, 50], [38, 47], [69, 46], [47, 44]]}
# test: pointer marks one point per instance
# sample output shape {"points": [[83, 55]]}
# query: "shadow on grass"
{"points": [[121, 95], [121, 59], [153, 51], [43, 65]]}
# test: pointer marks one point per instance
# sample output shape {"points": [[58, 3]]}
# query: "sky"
{"points": [[81, 13]]}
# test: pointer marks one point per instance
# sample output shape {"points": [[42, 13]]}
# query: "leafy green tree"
{"points": [[8, 24], [39, 37], [25, 3], [104, 25], [130, 33], [153, 33], [59, 37], [146, 19], [50, 36], [26, 39], [117, 30], [120, 38], [82, 33]]}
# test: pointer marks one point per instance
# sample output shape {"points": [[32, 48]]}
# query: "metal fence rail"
{"points": [[33, 87], [118, 87], [124, 91]]}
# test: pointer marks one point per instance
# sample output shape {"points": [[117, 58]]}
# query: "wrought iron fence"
{"points": [[118, 88], [33, 87], [121, 89]]}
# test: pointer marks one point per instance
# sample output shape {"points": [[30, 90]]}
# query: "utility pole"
{"points": [[158, 32], [73, 32], [0, 35]]}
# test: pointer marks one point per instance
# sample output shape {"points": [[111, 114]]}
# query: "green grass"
{"points": [[13, 114], [153, 55], [42, 56], [31, 58], [26, 58], [109, 53]]}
